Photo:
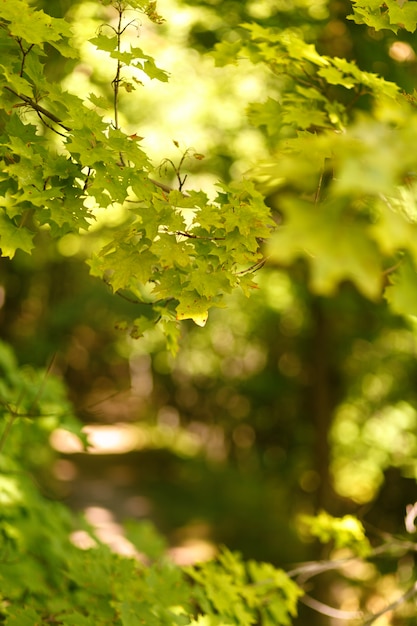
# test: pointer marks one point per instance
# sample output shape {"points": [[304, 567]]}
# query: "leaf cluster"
{"points": [[61, 161], [342, 164], [344, 532], [390, 15]]}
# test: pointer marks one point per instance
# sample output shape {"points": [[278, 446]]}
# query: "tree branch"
{"points": [[42, 111], [325, 609], [38, 108]]}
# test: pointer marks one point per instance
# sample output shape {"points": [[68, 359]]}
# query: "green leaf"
{"points": [[403, 14], [211, 283], [402, 292], [99, 101], [393, 229], [226, 53], [335, 76], [137, 614], [13, 238], [390, 15], [172, 252], [149, 68], [145, 538], [33, 26], [267, 114], [104, 42], [140, 324], [275, 585], [124, 265], [371, 13], [336, 248], [22, 617], [193, 306]]}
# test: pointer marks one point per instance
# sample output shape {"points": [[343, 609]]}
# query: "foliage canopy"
{"points": [[340, 177]]}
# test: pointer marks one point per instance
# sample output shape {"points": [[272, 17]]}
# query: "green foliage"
{"points": [[32, 405], [168, 245], [99, 587], [342, 163], [344, 532], [340, 177], [180, 249], [45, 577], [391, 15], [238, 591]]}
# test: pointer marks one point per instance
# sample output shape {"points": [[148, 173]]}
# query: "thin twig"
{"points": [[37, 107], [253, 268], [39, 114], [87, 178], [183, 233], [412, 591], [43, 383], [116, 80], [330, 611], [166, 188], [314, 568], [24, 54]]}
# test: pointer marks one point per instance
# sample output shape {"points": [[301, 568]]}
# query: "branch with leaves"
{"points": [[175, 244]]}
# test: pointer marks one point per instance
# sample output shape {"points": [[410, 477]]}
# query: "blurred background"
{"points": [[284, 404]]}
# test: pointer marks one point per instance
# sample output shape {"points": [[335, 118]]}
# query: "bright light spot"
{"points": [[347, 431], [114, 439], [359, 570], [65, 442], [366, 443], [319, 10], [69, 245], [121, 438], [402, 52], [107, 530], [358, 480], [192, 551], [260, 9], [10, 492], [375, 386], [277, 290], [81, 539]]}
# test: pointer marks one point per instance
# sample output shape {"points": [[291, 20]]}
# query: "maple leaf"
{"points": [[193, 306], [335, 248], [13, 238]]}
